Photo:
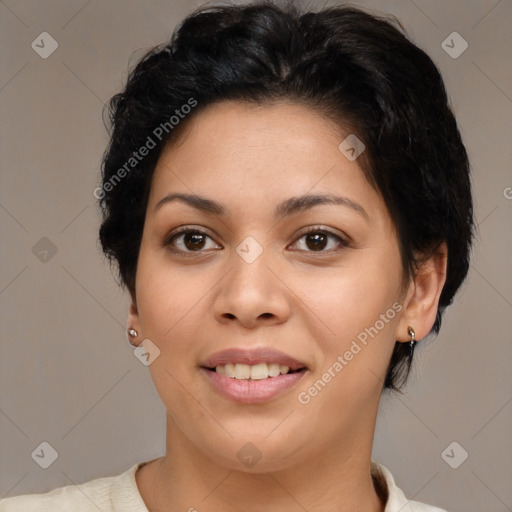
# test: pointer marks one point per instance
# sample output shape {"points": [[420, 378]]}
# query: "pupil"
{"points": [[196, 240], [319, 240]]}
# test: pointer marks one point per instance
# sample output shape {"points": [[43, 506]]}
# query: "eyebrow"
{"points": [[288, 207]]}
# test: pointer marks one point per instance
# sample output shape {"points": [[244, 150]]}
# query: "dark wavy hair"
{"points": [[357, 68]]}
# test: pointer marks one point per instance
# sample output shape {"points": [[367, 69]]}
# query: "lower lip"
{"points": [[252, 391]]}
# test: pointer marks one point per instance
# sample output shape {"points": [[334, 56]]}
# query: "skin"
{"points": [[309, 303]]}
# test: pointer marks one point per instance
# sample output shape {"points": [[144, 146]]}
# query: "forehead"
{"points": [[257, 153]]}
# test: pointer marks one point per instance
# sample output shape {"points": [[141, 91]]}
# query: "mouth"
{"points": [[252, 376], [259, 371]]}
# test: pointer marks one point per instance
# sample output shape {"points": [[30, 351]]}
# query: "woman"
{"points": [[287, 198]]}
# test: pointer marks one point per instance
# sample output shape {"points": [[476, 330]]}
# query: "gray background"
{"points": [[68, 375]]}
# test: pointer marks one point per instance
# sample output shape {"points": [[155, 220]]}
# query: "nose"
{"points": [[252, 293]]}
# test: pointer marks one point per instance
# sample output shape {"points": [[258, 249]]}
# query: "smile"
{"points": [[254, 372], [252, 376]]}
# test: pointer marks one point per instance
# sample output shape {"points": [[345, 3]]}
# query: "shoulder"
{"points": [[396, 499], [108, 494]]}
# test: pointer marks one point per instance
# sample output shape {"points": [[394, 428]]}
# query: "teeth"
{"points": [[255, 372], [242, 371], [259, 371], [229, 370], [274, 369]]}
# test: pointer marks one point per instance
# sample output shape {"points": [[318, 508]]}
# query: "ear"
{"points": [[422, 299], [133, 320]]}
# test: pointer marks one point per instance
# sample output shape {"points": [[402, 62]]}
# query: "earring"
{"points": [[132, 333], [412, 334]]}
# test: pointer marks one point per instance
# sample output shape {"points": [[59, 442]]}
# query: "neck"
{"points": [[338, 479]]}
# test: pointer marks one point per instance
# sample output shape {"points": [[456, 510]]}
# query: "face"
{"points": [[261, 283]]}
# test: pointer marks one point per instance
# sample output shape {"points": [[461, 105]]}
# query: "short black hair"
{"points": [[357, 68]]}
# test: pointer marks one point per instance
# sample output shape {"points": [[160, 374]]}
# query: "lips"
{"points": [[260, 389], [252, 357]]}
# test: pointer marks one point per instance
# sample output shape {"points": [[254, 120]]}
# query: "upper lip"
{"points": [[252, 357]]}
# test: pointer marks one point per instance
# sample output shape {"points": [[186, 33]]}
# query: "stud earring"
{"points": [[413, 342], [132, 333]]}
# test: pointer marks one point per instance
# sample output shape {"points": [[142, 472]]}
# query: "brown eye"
{"points": [[188, 240], [193, 240], [316, 240]]}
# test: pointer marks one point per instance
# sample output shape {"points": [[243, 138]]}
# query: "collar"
{"points": [[126, 496]]}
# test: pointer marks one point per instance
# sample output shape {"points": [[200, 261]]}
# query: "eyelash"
{"points": [[307, 231]]}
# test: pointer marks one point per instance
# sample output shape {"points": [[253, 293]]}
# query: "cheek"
{"points": [[356, 314], [167, 298], [352, 297], [356, 310], [169, 303]]}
